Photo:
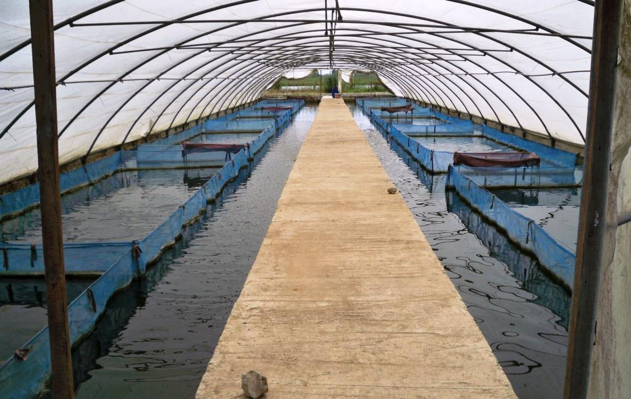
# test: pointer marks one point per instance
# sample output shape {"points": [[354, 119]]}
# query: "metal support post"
{"points": [[45, 82], [593, 216]]}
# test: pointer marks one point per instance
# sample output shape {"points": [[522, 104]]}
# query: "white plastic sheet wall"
{"points": [[531, 70]]}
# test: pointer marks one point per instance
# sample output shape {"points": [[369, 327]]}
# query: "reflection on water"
{"points": [[521, 265], [461, 144], [122, 207], [556, 210], [158, 336], [417, 120], [521, 312], [23, 310]]}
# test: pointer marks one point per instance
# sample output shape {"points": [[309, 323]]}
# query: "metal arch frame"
{"points": [[272, 59], [118, 45], [552, 138], [459, 87], [128, 72], [372, 59], [522, 19], [479, 31], [510, 66], [416, 17], [60, 25], [469, 84], [497, 59], [519, 73], [284, 27], [393, 79], [219, 102], [211, 112], [261, 40]]}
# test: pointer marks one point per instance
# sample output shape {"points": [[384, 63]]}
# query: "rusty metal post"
{"points": [[43, 47], [593, 216]]}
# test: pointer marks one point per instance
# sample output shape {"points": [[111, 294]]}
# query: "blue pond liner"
{"points": [[27, 197], [80, 259], [124, 263], [558, 171], [542, 177], [439, 161], [552, 255]]}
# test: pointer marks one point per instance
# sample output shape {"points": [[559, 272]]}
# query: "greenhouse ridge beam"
{"points": [[43, 49], [450, 28]]}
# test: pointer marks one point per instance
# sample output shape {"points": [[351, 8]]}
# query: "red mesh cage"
{"points": [[277, 109], [403, 108], [497, 159]]}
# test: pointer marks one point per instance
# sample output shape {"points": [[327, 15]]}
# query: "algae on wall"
{"points": [[611, 360]]}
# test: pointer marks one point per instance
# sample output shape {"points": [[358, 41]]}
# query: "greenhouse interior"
{"points": [[315, 199]]}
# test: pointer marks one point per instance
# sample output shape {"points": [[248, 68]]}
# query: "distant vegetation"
{"points": [[314, 84]]}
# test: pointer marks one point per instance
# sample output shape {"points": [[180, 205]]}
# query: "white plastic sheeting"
{"points": [[298, 73], [347, 74], [128, 68]]}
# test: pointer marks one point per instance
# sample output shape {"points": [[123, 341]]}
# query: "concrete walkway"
{"points": [[346, 298]]}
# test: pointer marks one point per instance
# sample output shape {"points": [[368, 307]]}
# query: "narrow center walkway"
{"points": [[346, 298]]}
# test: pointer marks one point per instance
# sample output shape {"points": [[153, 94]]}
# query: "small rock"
{"points": [[254, 384], [392, 190]]}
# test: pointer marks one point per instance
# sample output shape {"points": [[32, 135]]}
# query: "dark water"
{"points": [[158, 336], [23, 311], [555, 210], [521, 312], [123, 207]]}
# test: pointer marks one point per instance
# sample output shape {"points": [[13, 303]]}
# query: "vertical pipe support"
{"points": [[594, 199], [45, 81], [340, 81]]}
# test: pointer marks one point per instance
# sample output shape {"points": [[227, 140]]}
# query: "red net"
{"points": [[277, 109], [495, 159], [403, 108], [190, 148]]}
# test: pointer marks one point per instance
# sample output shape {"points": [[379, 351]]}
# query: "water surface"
{"points": [[555, 210], [461, 144], [520, 311], [157, 337]]}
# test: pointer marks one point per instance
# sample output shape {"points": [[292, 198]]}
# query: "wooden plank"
{"points": [[346, 297]]}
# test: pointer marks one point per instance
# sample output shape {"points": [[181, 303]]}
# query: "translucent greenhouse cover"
{"points": [[130, 68]]}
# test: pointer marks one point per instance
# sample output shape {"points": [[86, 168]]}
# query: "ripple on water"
{"points": [[521, 312]]}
